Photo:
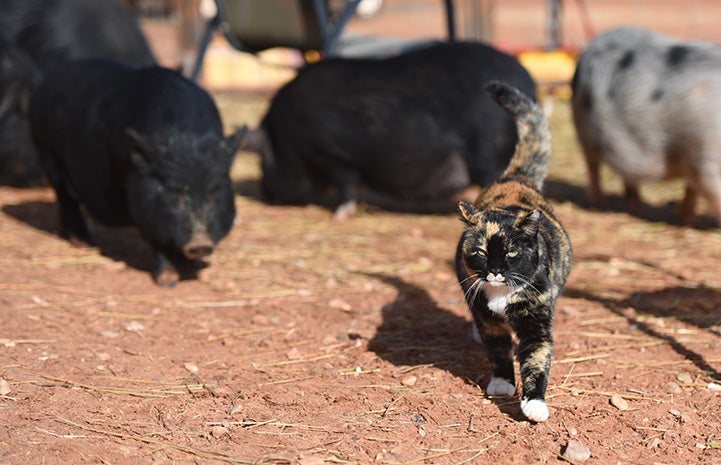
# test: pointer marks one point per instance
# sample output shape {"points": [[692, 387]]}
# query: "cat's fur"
{"points": [[513, 260]]}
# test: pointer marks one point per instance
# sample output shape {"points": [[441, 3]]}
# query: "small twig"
{"points": [[568, 375], [622, 347], [598, 321], [57, 435], [587, 374], [473, 457], [287, 381], [156, 393], [606, 393], [294, 362], [582, 359], [186, 449]]}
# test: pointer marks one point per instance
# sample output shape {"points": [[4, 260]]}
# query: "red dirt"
{"points": [[306, 341]]}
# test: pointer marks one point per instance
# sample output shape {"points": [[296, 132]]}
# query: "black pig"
{"points": [[136, 146], [18, 75], [55, 31], [411, 130], [35, 35]]}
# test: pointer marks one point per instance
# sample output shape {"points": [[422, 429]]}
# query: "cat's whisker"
{"points": [[472, 291], [468, 278], [477, 284], [522, 279], [479, 288]]}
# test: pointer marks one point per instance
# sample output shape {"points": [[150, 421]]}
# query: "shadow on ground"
{"points": [[561, 191], [123, 244], [693, 306], [416, 331]]}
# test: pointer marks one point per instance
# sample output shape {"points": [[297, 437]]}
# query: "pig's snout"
{"points": [[199, 246]]}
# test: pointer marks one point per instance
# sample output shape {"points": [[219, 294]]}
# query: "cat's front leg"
{"points": [[534, 353], [496, 337]]}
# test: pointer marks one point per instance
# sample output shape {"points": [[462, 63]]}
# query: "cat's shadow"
{"points": [[693, 306], [416, 331], [123, 244]]}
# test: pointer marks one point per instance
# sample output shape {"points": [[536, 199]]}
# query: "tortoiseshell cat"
{"points": [[513, 260]]}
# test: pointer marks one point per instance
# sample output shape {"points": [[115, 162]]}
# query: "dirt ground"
{"points": [[308, 342]]}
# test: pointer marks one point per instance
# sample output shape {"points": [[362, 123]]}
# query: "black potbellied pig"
{"points": [[136, 146], [650, 107], [19, 165], [35, 35], [411, 130], [55, 31]]}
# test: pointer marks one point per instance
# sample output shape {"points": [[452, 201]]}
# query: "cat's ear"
{"points": [[529, 223], [468, 213]]}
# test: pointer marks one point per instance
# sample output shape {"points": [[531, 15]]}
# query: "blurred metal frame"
{"points": [[255, 25]]}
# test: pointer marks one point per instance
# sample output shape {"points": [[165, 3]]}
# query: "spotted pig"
{"points": [[650, 106]]}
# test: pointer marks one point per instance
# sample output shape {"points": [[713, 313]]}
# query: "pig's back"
{"points": [[364, 109]]}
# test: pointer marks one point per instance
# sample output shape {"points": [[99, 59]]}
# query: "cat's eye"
{"points": [[511, 254], [481, 252]]}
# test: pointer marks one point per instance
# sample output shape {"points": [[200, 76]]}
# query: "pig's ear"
{"points": [[231, 143], [255, 141], [141, 151]]}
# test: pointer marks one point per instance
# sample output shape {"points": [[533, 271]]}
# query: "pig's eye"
{"points": [[175, 189], [214, 189]]}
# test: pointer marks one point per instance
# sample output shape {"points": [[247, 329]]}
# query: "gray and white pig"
{"points": [[650, 107], [140, 147], [413, 130]]}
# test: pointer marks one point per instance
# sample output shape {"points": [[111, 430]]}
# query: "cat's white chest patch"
{"points": [[497, 296]]}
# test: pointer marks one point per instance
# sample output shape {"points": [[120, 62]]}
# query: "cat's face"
{"points": [[500, 249]]}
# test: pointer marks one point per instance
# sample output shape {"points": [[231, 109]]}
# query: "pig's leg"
{"points": [[593, 163], [349, 192], [633, 198], [688, 205], [165, 274], [710, 187], [345, 211], [72, 224]]}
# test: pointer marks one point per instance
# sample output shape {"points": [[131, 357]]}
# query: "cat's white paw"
{"points": [[535, 409], [500, 387], [476, 335]]}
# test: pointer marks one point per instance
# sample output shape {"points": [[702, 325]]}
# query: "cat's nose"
{"points": [[498, 277]]}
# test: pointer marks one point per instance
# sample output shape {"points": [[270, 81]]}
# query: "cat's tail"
{"points": [[533, 150]]}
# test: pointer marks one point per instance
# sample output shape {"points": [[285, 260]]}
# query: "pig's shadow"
{"points": [[562, 191], [248, 188], [694, 306], [123, 244], [417, 331]]}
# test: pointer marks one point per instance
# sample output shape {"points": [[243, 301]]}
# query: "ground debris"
{"points": [[576, 451], [619, 402], [673, 388]]}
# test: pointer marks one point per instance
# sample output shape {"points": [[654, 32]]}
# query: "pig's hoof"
{"points": [[168, 277], [79, 243], [345, 211]]}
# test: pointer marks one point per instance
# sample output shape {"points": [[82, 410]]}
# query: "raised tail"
{"points": [[533, 150]]}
